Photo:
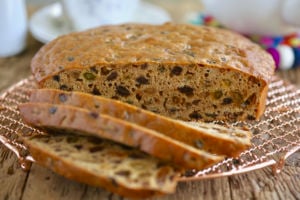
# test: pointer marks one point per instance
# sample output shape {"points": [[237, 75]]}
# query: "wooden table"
{"points": [[40, 183]]}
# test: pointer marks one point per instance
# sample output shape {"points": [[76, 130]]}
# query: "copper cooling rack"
{"points": [[276, 135]]}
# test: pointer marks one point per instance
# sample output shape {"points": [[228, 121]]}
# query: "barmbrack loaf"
{"points": [[182, 71], [213, 138], [85, 122], [94, 161]]}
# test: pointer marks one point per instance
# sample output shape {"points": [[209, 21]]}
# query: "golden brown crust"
{"points": [[215, 139], [66, 117], [164, 44]]}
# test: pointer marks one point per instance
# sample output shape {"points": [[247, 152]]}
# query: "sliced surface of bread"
{"points": [[69, 118], [182, 71], [212, 138], [117, 168]]}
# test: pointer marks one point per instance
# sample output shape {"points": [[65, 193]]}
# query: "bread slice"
{"points": [[212, 138], [64, 117], [182, 71], [119, 169]]}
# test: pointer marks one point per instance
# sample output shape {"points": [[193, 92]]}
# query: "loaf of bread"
{"points": [[103, 163], [82, 121], [212, 138], [182, 71]]}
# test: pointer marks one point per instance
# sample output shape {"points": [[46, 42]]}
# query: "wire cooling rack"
{"points": [[276, 135]]}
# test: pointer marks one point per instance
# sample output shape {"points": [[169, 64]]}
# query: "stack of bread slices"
{"points": [[148, 152]]}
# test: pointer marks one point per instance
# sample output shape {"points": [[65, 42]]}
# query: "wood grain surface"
{"points": [[40, 183]]}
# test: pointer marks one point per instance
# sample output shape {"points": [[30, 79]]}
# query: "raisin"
{"points": [[52, 110], [187, 90], [138, 97], [62, 97], [89, 76], [176, 71], [112, 76], [70, 58], [199, 144], [56, 78], [195, 115], [123, 91], [123, 173], [227, 101], [96, 148], [142, 80], [78, 146], [94, 115], [96, 91]]}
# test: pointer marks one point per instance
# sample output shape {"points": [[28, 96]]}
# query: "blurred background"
{"points": [[176, 8], [273, 24]]}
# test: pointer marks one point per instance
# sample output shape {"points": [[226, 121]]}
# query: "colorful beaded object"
{"points": [[285, 49]]}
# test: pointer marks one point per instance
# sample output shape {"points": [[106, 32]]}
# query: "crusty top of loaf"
{"points": [[180, 44]]}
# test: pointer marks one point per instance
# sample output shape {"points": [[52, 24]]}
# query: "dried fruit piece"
{"points": [[123, 91], [141, 80], [187, 90], [62, 97], [227, 101], [89, 76], [176, 71], [112, 76]]}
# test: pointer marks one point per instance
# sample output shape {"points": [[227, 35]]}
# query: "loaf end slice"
{"points": [[119, 169]]}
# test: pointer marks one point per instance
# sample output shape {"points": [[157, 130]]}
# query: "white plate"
{"points": [[49, 23]]}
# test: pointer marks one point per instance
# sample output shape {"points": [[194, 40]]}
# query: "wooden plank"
{"points": [[42, 181], [12, 177], [262, 184]]}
